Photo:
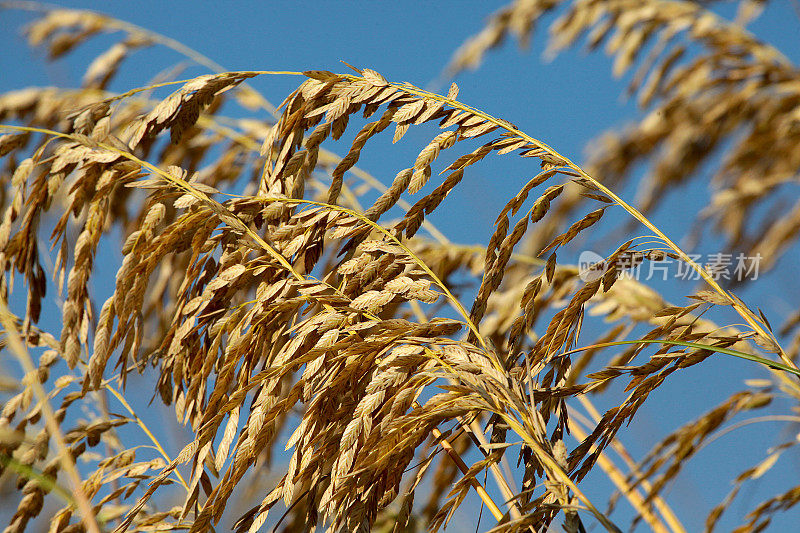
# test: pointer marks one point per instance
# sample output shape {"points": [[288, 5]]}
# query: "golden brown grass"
{"points": [[292, 308]]}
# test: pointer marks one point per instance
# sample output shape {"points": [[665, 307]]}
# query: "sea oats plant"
{"points": [[319, 302]]}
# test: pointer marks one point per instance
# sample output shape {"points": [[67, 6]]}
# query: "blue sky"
{"points": [[566, 103]]}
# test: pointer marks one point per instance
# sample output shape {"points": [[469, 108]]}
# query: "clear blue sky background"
{"points": [[565, 103]]}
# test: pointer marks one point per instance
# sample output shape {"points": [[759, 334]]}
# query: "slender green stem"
{"points": [[727, 351], [46, 482], [144, 427], [18, 348]]}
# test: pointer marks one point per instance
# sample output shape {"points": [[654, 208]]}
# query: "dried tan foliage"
{"points": [[733, 95], [697, 104], [291, 308]]}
